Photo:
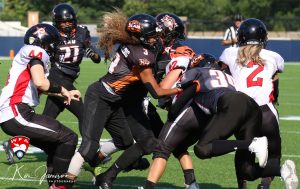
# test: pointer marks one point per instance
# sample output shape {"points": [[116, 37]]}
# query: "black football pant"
{"points": [[100, 114], [143, 128], [46, 133], [184, 131], [270, 129], [238, 115], [55, 105]]}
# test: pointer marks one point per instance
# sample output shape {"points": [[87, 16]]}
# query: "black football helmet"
{"points": [[205, 60], [43, 35], [171, 27], [61, 13], [142, 26], [252, 31]]}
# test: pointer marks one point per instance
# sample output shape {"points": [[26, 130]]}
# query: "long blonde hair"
{"points": [[250, 53], [112, 31]]}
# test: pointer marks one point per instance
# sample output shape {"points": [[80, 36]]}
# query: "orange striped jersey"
{"points": [[124, 69]]}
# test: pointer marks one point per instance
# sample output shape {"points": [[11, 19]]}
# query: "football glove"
{"points": [[89, 52]]}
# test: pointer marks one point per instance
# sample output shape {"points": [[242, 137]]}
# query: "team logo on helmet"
{"points": [[19, 145], [134, 26], [40, 31], [169, 22]]}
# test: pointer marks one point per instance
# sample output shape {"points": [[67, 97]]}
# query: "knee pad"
{"points": [[88, 149], [148, 145], [124, 144], [162, 151], [202, 151], [73, 139]]}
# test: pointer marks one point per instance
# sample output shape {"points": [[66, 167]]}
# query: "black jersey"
{"points": [[213, 83], [69, 54], [123, 73]]}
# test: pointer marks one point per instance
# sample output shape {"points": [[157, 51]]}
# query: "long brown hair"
{"points": [[249, 53], [112, 31]]}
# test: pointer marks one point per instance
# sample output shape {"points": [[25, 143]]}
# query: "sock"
{"points": [[149, 185], [221, 147], [108, 148], [75, 164], [189, 176], [266, 181]]}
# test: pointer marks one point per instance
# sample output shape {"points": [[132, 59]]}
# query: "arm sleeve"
{"points": [[35, 61]]}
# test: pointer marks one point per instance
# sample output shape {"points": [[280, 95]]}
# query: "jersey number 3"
{"points": [[250, 79]]}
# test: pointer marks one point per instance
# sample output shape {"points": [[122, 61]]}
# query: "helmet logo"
{"points": [[169, 22], [31, 40], [40, 31], [134, 26]]}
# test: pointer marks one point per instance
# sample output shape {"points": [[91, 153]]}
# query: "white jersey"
{"points": [[19, 86], [254, 80], [180, 62]]}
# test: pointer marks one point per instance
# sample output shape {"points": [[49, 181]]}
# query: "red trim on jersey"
{"points": [[13, 108], [20, 86], [271, 96]]}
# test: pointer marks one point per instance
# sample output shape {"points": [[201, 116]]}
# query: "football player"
{"points": [[253, 68], [216, 96], [65, 66], [172, 63], [26, 81], [131, 67]]}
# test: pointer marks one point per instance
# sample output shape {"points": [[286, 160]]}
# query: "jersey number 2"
{"points": [[250, 79]]}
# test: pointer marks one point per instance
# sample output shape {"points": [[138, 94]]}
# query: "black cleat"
{"points": [[141, 164], [103, 181], [105, 185]]}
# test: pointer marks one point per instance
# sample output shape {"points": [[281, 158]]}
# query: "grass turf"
{"points": [[214, 173]]}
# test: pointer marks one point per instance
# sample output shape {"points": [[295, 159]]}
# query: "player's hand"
{"points": [[188, 84], [67, 96], [89, 52], [70, 95], [75, 94]]}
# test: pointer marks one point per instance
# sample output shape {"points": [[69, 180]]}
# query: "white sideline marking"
{"points": [[290, 132], [290, 118], [35, 150]]}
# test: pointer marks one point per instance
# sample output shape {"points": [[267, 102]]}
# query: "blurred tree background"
{"points": [[203, 15]]}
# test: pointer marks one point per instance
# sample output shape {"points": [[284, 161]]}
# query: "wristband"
{"points": [[54, 88]]}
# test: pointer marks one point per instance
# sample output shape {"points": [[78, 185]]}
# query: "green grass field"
{"points": [[214, 173]]}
